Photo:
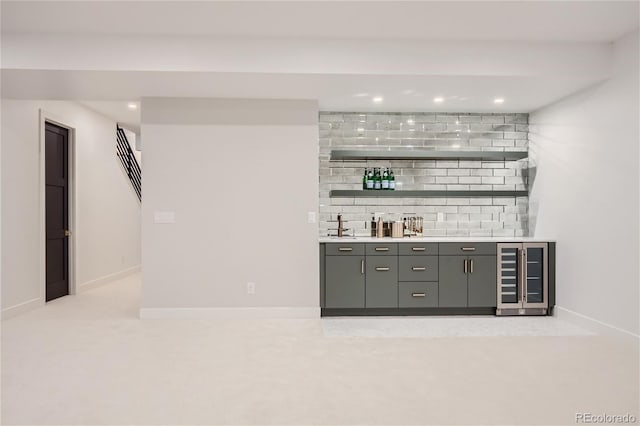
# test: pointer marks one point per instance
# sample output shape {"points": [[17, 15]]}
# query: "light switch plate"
{"points": [[164, 217], [440, 217], [311, 217]]}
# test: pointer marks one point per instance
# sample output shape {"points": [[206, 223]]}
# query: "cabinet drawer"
{"points": [[418, 295], [418, 268], [382, 249], [346, 249], [448, 249], [418, 249]]}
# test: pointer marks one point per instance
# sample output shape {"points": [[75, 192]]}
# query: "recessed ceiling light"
{"points": [[498, 101], [438, 100], [132, 105], [378, 99], [360, 129], [410, 122], [455, 146]]}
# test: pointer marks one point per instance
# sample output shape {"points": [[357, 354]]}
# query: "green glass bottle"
{"points": [[392, 181], [385, 179], [377, 183], [370, 179], [364, 180]]}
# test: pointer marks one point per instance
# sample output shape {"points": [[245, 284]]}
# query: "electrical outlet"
{"points": [[311, 217], [440, 217], [251, 288]]}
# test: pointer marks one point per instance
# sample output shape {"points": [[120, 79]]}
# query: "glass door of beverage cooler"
{"points": [[535, 263], [509, 276]]}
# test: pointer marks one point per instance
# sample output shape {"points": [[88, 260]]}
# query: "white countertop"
{"points": [[434, 240]]}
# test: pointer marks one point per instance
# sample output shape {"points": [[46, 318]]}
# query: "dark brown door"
{"points": [[57, 210]]}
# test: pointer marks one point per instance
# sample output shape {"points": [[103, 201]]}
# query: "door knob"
{"points": [[67, 233]]}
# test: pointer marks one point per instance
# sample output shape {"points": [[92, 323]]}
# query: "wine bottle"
{"points": [[385, 179], [377, 182], [364, 180], [392, 181], [370, 179]]}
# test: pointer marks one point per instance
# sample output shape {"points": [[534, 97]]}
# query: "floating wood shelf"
{"points": [[423, 154], [430, 194]]}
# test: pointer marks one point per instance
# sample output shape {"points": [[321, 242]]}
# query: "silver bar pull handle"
{"points": [[382, 248], [418, 248], [465, 266], [419, 268], [471, 266], [468, 249], [418, 294], [362, 266], [345, 249], [523, 265], [382, 268]]}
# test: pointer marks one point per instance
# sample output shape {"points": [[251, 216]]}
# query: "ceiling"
{"points": [[582, 21], [108, 53]]}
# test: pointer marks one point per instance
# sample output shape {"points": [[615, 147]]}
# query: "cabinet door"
{"points": [[483, 281], [344, 282], [452, 289], [382, 282], [535, 275]]}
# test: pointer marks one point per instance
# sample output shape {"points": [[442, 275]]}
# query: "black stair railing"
{"points": [[129, 161]]}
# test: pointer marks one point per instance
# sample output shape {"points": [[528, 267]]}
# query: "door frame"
{"points": [[48, 117]]}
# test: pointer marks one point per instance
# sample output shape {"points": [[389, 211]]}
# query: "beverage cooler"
{"points": [[523, 279]]}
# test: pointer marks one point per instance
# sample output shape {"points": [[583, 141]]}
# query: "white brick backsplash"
{"points": [[469, 225], [479, 232], [458, 172], [514, 180], [442, 164], [458, 201], [504, 172], [482, 172], [500, 201], [469, 209], [484, 201], [497, 119], [469, 164], [424, 179], [473, 142], [493, 164], [470, 180], [435, 172], [470, 118], [458, 188], [446, 118], [490, 224], [478, 216], [446, 179], [503, 142], [515, 135], [492, 180], [413, 172]]}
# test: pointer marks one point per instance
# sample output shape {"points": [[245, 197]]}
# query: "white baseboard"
{"points": [[107, 279], [230, 313], [20, 308], [595, 325]]}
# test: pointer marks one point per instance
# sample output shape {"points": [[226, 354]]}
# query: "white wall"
{"points": [[240, 176], [585, 192], [107, 233]]}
